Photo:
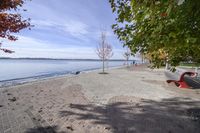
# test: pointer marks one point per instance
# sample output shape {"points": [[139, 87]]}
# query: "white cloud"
{"points": [[35, 48], [31, 47], [26, 42], [72, 27], [76, 28], [41, 23]]}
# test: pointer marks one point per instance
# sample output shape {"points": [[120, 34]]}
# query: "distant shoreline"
{"points": [[61, 59]]}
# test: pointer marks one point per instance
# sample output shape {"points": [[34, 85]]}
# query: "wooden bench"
{"points": [[179, 78]]}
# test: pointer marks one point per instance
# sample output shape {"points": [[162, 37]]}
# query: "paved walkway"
{"points": [[121, 101]]}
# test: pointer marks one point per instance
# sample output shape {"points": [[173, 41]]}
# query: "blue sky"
{"points": [[65, 29]]}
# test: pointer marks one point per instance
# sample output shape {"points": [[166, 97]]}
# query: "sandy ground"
{"points": [[134, 100]]}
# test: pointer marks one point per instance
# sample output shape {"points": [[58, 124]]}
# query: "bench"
{"points": [[179, 78]]}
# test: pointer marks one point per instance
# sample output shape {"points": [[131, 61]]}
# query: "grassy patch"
{"points": [[190, 64]]}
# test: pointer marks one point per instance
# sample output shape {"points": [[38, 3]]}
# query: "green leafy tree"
{"points": [[151, 25]]}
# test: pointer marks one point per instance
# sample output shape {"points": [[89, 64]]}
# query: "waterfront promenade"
{"points": [[125, 100]]}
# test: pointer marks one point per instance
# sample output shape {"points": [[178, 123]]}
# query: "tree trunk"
{"points": [[103, 64], [127, 62], [107, 66], [196, 70], [167, 66], [142, 59]]}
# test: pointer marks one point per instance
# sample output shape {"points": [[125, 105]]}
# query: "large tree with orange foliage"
{"points": [[11, 21]]}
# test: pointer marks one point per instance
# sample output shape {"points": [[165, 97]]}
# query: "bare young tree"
{"points": [[104, 50], [127, 55]]}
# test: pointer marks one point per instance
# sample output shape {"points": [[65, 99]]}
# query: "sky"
{"points": [[65, 29]]}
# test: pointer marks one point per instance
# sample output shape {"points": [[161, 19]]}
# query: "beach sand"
{"points": [[125, 100]]}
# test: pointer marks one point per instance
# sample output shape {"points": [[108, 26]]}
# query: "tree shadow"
{"points": [[103, 73], [167, 116], [48, 129]]}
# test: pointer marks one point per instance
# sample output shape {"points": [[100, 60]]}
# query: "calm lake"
{"points": [[13, 71]]}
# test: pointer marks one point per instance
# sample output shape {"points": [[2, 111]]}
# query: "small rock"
{"points": [[1, 106], [9, 94], [77, 72], [70, 128], [12, 99], [107, 128]]}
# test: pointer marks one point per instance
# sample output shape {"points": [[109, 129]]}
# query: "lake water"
{"points": [[13, 71]]}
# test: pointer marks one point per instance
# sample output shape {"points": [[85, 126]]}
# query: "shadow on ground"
{"points": [[48, 129], [176, 115]]}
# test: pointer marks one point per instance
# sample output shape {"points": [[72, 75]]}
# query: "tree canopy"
{"points": [[11, 21], [151, 26]]}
